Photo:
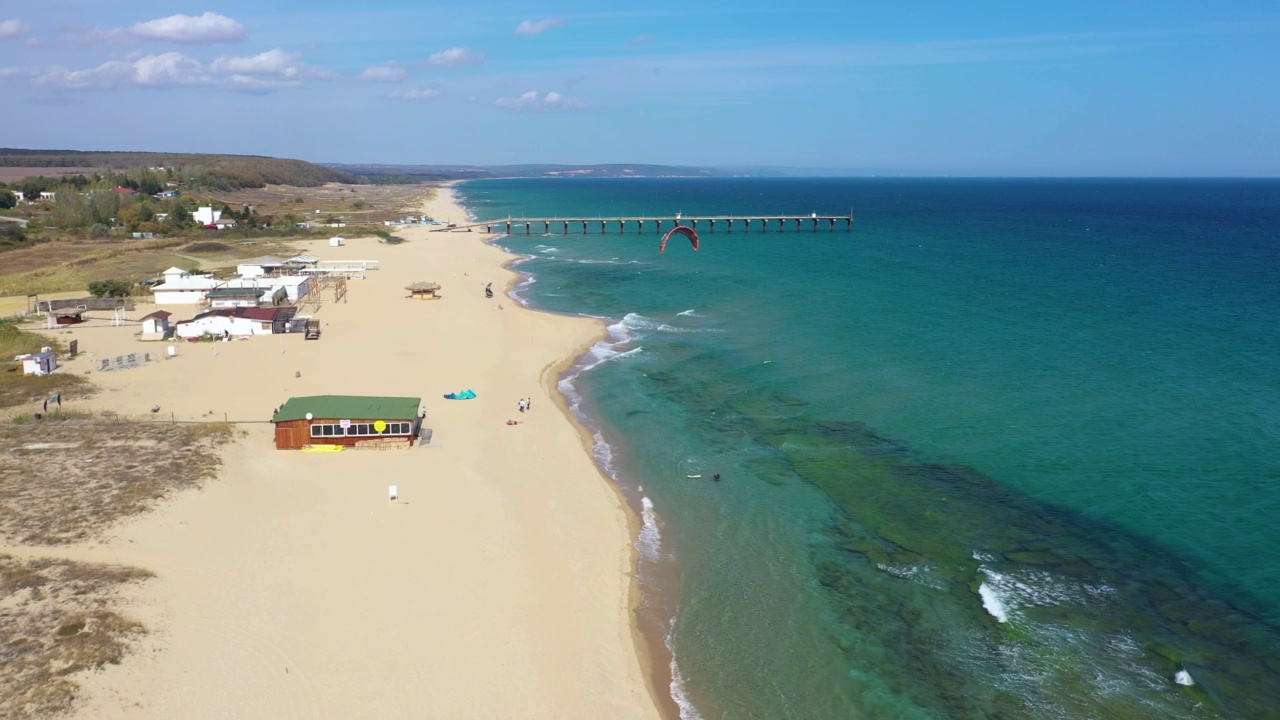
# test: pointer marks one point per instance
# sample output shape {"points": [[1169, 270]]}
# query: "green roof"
{"points": [[235, 292], [349, 407]]}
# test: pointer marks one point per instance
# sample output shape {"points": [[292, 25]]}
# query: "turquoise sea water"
{"points": [[1009, 449]]}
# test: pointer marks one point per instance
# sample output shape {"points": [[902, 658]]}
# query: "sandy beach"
{"points": [[498, 586]]}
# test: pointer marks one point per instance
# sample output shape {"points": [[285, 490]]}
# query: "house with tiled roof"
{"points": [[229, 322]]}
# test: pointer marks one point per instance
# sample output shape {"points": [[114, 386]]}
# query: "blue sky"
{"points": [[1124, 87]]}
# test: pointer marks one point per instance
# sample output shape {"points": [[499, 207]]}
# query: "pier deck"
{"points": [[619, 224]]}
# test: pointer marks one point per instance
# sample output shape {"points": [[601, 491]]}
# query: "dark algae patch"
{"points": [[960, 597]]}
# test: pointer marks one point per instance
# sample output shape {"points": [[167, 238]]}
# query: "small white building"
{"points": [[233, 296], [337, 241], [257, 267], [241, 321], [295, 287], [183, 288], [156, 325], [207, 216], [41, 363]]}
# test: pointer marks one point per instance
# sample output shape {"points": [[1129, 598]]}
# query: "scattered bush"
{"points": [[110, 288]]}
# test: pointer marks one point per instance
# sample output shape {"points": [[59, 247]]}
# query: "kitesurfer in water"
{"points": [[716, 477]]}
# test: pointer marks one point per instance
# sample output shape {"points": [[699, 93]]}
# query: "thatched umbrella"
{"points": [[423, 289]]}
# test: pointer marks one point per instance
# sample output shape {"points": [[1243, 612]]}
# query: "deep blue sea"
{"points": [[1008, 449]]}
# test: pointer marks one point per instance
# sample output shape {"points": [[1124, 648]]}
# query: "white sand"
{"points": [[499, 585]]}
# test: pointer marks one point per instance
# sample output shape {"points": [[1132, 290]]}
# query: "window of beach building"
{"points": [[359, 429]]}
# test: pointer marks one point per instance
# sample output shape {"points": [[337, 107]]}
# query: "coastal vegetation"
{"points": [[17, 389], [216, 172], [127, 224], [59, 617]]}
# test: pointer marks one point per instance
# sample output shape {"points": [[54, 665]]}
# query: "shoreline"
{"points": [[649, 638], [282, 545]]}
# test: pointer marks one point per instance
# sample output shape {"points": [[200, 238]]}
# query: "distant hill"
{"points": [[222, 172], [413, 173]]}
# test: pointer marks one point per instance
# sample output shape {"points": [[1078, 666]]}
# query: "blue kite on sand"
{"points": [[464, 395]]}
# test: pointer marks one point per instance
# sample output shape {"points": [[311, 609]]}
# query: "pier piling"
{"points": [[711, 221]]}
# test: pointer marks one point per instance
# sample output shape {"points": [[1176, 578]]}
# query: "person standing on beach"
{"points": [[528, 404]]}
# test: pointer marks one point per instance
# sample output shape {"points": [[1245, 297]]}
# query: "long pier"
{"points": [[811, 222]]}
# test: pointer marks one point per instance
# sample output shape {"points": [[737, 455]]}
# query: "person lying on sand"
{"points": [[514, 422]]}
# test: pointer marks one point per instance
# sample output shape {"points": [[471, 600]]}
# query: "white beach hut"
{"points": [[41, 363], [155, 325]]}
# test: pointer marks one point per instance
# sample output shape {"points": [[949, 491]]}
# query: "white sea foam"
{"points": [[688, 313], [678, 691], [1025, 588], [650, 541], [916, 573], [636, 321], [547, 250], [992, 604]]}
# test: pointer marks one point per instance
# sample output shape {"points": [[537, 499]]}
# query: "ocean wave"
{"points": [[917, 573], [617, 336], [992, 604], [636, 321], [602, 451], [1014, 590], [649, 543], [678, 692], [688, 313], [673, 329], [547, 250], [614, 261]]}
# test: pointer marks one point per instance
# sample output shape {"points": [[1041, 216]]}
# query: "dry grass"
{"points": [[9, 174], [68, 481], [72, 264], [57, 618], [381, 202], [18, 389]]}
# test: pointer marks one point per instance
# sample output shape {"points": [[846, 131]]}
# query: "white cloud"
{"points": [[416, 94], [18, 72], [257, 85], [455, 56], [10, 29], [531, 101], [170, 68], [533, 27], [272, 62], [387, 72], [266, 72], [207, 28], [148, 71]]}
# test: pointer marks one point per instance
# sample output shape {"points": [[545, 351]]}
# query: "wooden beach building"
{"points": [[347, 420], [69, 317]]}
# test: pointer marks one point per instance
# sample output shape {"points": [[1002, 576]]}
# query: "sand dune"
{"points": [[498, 587]]}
